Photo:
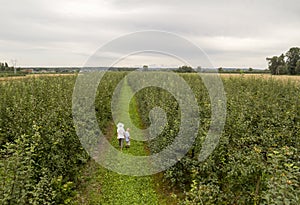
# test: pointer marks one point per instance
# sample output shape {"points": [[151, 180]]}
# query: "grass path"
{"points": [[107, 187]]}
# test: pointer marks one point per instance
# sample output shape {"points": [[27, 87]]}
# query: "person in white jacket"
{"points": [[121, 134]]}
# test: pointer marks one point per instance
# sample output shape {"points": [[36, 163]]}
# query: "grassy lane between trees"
{"points": [[103, 186]]}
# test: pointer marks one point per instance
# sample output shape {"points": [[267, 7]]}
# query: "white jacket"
{"points": [[121, 133]]}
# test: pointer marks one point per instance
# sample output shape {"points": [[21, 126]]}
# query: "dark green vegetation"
{"points": [[6, 70], [256, 162], [10, 74], [4, 67], [185, 69], [188, 69], [41, 156], [40, 153], [288, 63]]}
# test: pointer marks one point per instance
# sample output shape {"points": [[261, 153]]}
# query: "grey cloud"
{"points": [[64, 29]]}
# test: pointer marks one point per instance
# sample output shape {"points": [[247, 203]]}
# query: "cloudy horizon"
{"points": [[66, 32]]}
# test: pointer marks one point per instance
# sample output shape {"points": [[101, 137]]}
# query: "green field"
{"points": [[257, 160]]}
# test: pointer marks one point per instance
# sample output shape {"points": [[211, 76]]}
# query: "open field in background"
{"points": [[33, 76], [256, 75], [264, 76], [257, 160]]}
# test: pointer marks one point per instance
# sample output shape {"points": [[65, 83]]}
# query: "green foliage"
{"points": [[41, 155], [21, 179], [185, 69], [201, 194], [256, 162], [277, 65], [4, 67], [39, 111], [293, 56], [103, 186], [297, 67], [246, 167], [145, 68], [285, 64], [283, 174], [11, 74]]}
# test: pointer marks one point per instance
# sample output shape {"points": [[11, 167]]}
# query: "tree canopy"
{"points": [[292, 57], [4, 67], [288, 63], [185, 69]]}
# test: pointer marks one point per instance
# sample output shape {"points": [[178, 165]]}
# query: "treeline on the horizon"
{"points": [[9, 71], [4, 67], [181, 69], [188, 69], [288, 63]]}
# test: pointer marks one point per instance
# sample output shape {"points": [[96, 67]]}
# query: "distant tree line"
{"points": [[188, 69], [4, 67], [288, 63], [185, 69]]}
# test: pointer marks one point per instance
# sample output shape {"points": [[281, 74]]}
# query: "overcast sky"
{"points": [[240, 33]]}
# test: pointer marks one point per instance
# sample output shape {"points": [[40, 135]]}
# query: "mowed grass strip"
{"points": [[107, 187]]}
